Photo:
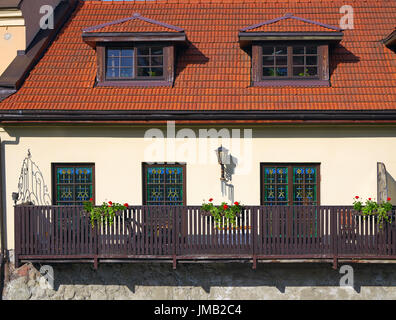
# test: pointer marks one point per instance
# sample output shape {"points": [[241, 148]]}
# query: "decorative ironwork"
{"points": [[31, 185]]}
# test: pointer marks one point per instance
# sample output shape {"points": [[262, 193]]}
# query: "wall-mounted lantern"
{"points": [[15, 197], [222, 158]]}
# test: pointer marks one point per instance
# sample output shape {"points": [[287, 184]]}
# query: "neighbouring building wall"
{"points": [[32, 15], [348, 159], [19, 27], [12, 39]]}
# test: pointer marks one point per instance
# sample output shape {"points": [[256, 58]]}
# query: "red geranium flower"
{"points": [[126, 204], [236, 203], [225, 207], [369, 198], [91, 199], [389, 199], [357, 197], [110, 203], [211, 199]]}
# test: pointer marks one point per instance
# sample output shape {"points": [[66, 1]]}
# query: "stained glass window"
{"points": [[164, 185], [290, 184], [73, 184], [304, 185], [276, 186]]}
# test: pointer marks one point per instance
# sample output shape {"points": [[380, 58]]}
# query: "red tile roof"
{"points": [[213, 73]]}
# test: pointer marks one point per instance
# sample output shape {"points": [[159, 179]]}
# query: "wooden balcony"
{"points": [[186, 234]]}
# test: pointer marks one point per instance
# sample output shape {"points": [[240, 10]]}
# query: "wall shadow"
{"points": [[207, 276]]}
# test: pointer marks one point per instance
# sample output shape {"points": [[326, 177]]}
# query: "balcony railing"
{"points": [[65, 234]]}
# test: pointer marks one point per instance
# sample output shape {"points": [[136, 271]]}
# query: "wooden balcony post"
{"points": [[17, 234], [334, 236], [254, 236], [175, 215]]}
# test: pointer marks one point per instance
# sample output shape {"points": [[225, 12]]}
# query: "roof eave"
{"points": [[169, 115], [92, 38], [275, 36]]}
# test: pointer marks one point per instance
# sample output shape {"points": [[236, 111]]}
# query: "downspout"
{"points": [[3, 253]]}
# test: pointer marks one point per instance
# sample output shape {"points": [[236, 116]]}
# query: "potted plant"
{"points": [[380, 211], [228, 212], [104, 213]]}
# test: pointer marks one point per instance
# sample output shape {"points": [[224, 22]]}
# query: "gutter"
{"points": [[169, 115]]}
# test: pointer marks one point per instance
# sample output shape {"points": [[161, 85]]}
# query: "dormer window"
{"points": [[135, 51], [128, 63], [298, 62], [290, 51]]}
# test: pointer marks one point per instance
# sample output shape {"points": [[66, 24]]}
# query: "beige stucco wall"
{"points": [[347, 157], [8, 48]]}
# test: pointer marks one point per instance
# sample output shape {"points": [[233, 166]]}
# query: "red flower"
{"points": [[369, 198], [225, 207], [110, 203], [91, 199], [126, 204], [357, 197], [211, 199], [389, 199], [236, 203]]}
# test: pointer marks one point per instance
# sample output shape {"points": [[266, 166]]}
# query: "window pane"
{"points": [[156, 72], [281, 60], [113, 52], [143, 61], [164, 185], [311, 60], [268, 50], [126, 72], [73, 185], [117, 60], [65, 175], [312, 71], [143, 72], [157, 51], [281, 50], [83, 175], [297, 60], [112, 73], [298, 71], [268, 60], [127, 52], [268, 72], [143, 51], [113, 62], [83, 192], [276, 186], [298, 50], [281, 72], [311, 50], [156, 61], [127, 62]]}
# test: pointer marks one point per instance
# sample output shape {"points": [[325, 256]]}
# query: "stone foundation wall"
{"points": [[200, 281]]}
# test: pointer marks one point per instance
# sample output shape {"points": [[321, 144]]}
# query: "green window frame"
{"points": [[73, 183], [164, 184], [290, 183]]}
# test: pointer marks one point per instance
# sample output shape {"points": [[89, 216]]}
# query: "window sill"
{"points": [[292, 83], [134, 83]]}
